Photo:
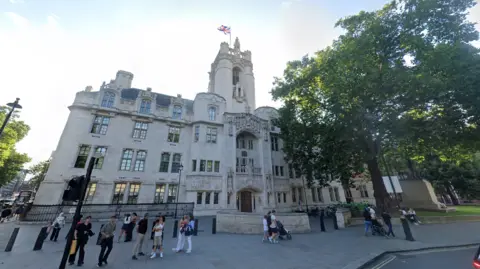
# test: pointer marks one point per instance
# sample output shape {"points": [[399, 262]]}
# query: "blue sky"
{"points": [[51, 49]]}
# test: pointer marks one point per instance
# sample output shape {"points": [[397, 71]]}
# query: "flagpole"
{"points": [[230, 43]]}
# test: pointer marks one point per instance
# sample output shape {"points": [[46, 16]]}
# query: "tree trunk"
{"points": [[382, 199], [452, 195]]}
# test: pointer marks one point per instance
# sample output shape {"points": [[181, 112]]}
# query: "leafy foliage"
{"points": [[10, 160], [12, 166], [38, 172], [395, 81]]}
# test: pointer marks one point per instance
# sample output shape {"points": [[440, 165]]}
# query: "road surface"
{"points": [[444, 259]]}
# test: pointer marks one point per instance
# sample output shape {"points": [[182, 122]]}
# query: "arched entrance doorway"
{"points": [[246, 200]]}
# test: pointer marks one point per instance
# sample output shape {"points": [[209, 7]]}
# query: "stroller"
{"points": [[377, 228], [283, 232]]}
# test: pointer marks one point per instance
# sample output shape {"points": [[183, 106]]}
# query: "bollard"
{"points": [[195, 228], [335, 224], [99, 238], [406, 229], [214, 226], [12, 239], [40, 239], [175, 229], [322, 220]]}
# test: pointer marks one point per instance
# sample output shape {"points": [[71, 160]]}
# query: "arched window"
{"points": [[145, 106], [212, 113], [236, 75], [108, 99], [177, 112]]}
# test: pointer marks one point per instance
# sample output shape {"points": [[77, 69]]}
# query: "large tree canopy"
{"points": [[10, 160], [394, 79]]}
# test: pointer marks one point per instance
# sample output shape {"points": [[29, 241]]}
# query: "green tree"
{"points": [[15, 131], [11, 166], [382, 76], [38, 172]]}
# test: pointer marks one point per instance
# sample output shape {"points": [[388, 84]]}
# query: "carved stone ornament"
{"points": [[246, 121], [147, 95]]}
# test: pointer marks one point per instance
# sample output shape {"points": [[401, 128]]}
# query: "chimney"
{"points": [[149, 89], [88, 88]]}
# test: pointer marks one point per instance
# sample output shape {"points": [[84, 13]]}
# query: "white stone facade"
{"points": [[230, 153]]}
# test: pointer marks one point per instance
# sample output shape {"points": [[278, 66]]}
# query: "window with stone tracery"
{"points": [[236, 75], [212, 113], [177, 112], [145, 106], [108, 99]]}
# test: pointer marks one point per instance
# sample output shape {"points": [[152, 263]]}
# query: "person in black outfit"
{"points": [[131, 227], [269, 222], [82, 232], [388, 221]]}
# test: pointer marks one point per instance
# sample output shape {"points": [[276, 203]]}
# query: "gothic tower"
{"points": [[231, 76]]}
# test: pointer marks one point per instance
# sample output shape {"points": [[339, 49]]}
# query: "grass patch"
{"points": [[462, 210]]}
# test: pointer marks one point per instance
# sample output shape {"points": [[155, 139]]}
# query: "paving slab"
{"points": [[336, 249]]}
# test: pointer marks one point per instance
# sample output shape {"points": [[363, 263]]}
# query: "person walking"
{"points": [[57, 226], [107, 233], [367, 220], [158, 239], [126, 224], [81, 234], [387, 219], [131, 227], [273, 228], [189, 232], [182, 224], [142, 228]]}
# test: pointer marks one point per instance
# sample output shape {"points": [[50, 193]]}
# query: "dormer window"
{"points": [[145, 106], [212, 113], [177, 112], [108, 99]]}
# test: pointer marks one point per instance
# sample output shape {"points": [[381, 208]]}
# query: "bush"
{"points": [[355, 208]]}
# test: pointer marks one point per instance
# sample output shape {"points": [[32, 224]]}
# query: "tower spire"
{"points": [[236, 45]]}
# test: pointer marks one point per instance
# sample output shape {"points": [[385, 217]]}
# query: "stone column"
{"points": [[146, 193], [233, 199], [126, 192], [165, 196], [264, 178]]}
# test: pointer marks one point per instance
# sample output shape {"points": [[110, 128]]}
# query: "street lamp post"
{"points": [[178, 188], [78, 209], [7, 118]]}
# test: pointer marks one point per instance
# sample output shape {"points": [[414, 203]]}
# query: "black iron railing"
{"points": [[43, 213]]}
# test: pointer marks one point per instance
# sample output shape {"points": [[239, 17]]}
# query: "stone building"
{"points": [[219, 150], [9, 189]]}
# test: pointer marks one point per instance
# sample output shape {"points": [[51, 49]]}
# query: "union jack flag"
{"points": [[224, 29]]}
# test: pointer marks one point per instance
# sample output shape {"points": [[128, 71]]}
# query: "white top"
{"points": [[159, 229], [60, 220], [372, 213], [126, 220], [265, 224], [274, 223]]}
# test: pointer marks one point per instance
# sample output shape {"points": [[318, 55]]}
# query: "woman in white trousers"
{"points": [[182, 224]]}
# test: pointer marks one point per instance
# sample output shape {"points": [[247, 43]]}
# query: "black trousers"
{"points": [[55, 233], [106, 245], [81, 256]]}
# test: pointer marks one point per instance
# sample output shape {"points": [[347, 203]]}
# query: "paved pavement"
{"points": [[341, 249], [458, 259]]}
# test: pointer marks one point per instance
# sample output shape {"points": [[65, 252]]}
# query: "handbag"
{"points": [[188, 231], [73, 247]]}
